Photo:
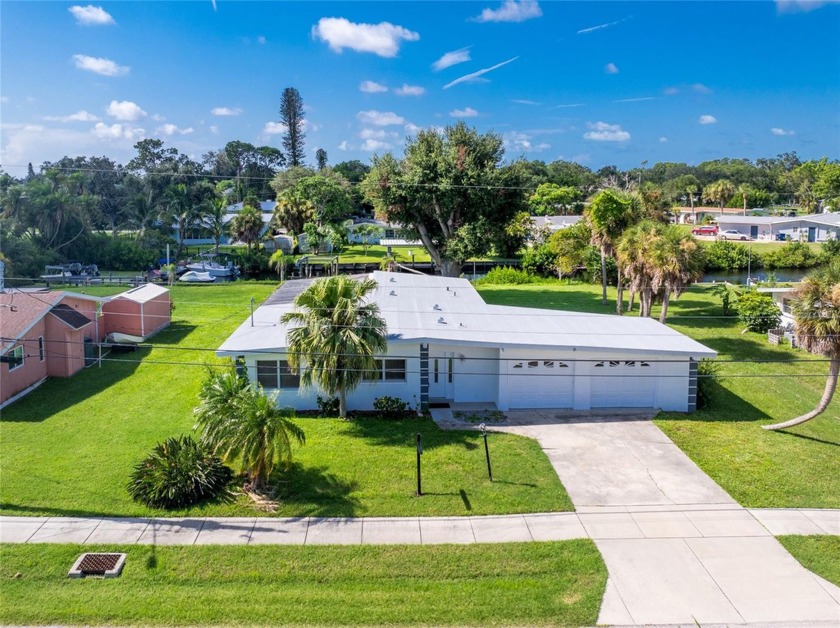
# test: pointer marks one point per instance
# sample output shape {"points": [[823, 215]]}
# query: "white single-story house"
{"points": [[810, 228], [389, 231], [696, 215], [782, 298], [555, 223], [198, 233], [445, 344]]}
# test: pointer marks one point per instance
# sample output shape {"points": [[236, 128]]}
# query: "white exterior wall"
{"points": [[362, 397], [476, 374]]}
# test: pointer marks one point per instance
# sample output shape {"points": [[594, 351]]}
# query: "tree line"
{"points": [[452, 189]]}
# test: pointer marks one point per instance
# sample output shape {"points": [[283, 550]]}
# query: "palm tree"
{"points": [[179, 209], [247, 225], [214, 218], [609, 213], [678, 262], [719, 192], [240, 422], [816, 311], [636, 253], [336, 335]]}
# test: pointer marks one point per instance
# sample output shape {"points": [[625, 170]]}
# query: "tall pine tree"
{"points": [[291, 115], [321, 158]]}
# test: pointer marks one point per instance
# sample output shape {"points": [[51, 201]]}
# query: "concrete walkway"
{"points": [[678, 549]]}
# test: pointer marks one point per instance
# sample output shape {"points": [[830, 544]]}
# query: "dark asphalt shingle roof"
{"points": [[68, 315]]}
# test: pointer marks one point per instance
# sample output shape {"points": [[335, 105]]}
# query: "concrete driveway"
{"points": [[678, 548]]}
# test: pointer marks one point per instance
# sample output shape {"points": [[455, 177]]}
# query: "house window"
{"points": [[267, 373], [287, 378], [16, 358], [394, 370], [437, 370], [391, 371], [451, 361], [273, 374], [41, 348]]}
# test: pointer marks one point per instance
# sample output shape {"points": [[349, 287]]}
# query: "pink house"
{"points": [[53, 334]]}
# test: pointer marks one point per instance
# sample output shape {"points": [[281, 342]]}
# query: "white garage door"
{"points": [[541, 384], [623, 384]]}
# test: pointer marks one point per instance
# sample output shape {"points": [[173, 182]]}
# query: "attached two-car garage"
{"points": [[536, 380]]}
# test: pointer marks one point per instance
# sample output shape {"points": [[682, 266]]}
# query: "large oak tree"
{"points": [[450, 191]]}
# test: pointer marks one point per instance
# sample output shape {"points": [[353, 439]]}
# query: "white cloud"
{"points": [[611, 68], [511, 11], [79, 116], [569, 106], [375, 145], [125, 110], [4, 99], [105, 67], [376, 134], [412, 128], [700, 88], [475, 75], [171, 129], [542, 146], [451, 58], [801, 6], [261, 39], [671, 91], [604, 132], [467, 112], [642, 99], [372, 87], [410, 90], [91, 15], [379, 118], [522, 101], [117, 132], [344, 146], [381, 39], [663, 140], [592, 29], [707, 119], [274, 128], [778, 131], [226, 111], [158, 118], [214, 129]]}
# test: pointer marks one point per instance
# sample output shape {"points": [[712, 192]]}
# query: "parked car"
{"points": [[705, 230], [732, 234]]}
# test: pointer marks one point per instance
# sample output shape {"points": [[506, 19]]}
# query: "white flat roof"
{"points": [[141, 294], [425, 308], [823, 219]]}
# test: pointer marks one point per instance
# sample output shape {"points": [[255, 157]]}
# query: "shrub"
{"points": [[391, 407], [831, 249], [254, 263], [708, 376], [107, 252], [758, 312], [507, 276], [179, 473], [327, 406], [726, 255], [792, 255], [540, 260]]}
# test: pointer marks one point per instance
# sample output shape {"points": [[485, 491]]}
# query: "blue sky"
{"points": [[597, 82]]}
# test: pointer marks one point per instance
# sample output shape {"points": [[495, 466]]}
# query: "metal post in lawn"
{"points": [[483, 429], [252, 311], [419, 453]]}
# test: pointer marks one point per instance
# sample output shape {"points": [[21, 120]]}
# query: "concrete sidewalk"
{"points": [[645, 522]]}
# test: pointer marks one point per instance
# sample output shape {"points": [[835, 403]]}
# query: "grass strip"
{"points": [[558, 583]]}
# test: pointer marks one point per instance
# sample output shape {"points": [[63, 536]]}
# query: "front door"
{"points": [[754, 232], [441, 376], [812, 234]]}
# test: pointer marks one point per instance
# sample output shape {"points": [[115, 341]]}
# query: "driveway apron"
{"points": [[678, 548]]}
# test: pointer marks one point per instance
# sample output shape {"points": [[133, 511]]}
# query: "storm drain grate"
{"points": [[98, 564]]}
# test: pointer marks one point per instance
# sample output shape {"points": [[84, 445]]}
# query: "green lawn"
{"points": [[794, 468], [69, 447], [508, 584], [820, 554]]}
